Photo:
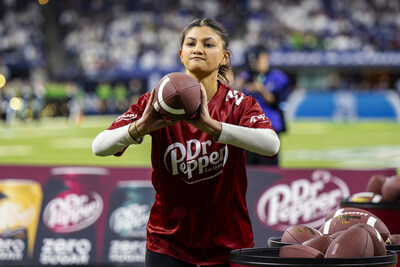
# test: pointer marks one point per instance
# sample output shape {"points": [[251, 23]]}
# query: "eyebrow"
{"points": [[205, 39]]}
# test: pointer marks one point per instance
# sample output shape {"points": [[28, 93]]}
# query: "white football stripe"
{"points": [[156, 106], [326, 227], [378, 235], [376, 199], [371, 221], [162, 103], [337, 213]]}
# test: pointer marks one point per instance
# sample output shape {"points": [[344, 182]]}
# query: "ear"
{"points": [[225, 59], [180, 55]]}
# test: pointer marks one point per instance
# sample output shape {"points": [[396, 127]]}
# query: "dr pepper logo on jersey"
{"points": [[300, 201], [195, 159], [72, 212]]}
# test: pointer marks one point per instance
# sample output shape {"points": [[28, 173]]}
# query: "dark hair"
{"points": [[223, 70], [253, 53]]}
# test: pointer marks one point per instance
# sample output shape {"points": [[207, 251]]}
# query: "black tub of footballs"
{"points": [[347, 233], [272, 256]]}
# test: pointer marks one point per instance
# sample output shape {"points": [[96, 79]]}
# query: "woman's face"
{"points": [[262, 63], [203, 51]]}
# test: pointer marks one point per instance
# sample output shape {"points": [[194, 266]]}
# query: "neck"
{"points": [[209, 82]]}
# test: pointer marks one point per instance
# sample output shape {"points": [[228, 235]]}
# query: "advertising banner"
{"points": [[280, 198], [74, 216], [343, 105], [20, 201], [95, 216]]}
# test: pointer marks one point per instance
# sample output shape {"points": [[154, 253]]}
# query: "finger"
{"points": [[203, 93], [149, 103], [151, 99], [152, 96]]}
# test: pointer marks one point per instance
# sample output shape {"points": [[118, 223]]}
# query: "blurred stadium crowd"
{"points": [[96, 56]]}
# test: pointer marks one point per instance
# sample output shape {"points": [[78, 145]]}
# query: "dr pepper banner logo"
{"points": [[303, 201], [72, 212]]}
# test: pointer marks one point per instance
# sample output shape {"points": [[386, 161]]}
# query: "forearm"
{"points": [[268, 96], [113, 141], [261, 141]]}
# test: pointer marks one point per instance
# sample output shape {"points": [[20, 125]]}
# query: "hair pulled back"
{"points": [[223, 70]]}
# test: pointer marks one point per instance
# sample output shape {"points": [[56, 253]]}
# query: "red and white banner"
{"points": [[59, 216]]}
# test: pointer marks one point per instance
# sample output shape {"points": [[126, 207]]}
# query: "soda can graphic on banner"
{"points": [[125, 237], [69, 222], [20, 202]]}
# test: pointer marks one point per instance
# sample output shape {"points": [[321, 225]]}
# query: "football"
{"points": [[375, 183], [393, 239], [336, 234], [298, 234], [366, 197], [391, 189], [299, 251], [337, 212], [347, 217], [320, 243], [177, 96], [352, 243], [377, 240]]}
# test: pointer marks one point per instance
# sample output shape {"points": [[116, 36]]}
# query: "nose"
{"points": [[197, 49]]}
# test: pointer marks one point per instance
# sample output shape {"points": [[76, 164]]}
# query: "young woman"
{"points": [[199, 175]]}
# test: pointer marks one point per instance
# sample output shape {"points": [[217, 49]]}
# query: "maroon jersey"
{"points": [[200, 214]]}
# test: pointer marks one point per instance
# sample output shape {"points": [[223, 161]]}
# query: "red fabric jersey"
{"points": [[200, 212]]}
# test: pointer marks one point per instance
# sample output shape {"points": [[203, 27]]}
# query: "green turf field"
{"points": [[305, 145]]}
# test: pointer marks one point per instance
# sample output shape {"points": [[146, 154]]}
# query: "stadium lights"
{"points": [[16, 103], [2, 80]]}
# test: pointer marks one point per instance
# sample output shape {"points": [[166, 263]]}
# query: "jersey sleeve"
{"points": [[134, 113], [251, 115]]}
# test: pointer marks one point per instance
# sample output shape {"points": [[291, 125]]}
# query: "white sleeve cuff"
{"points": [[258, 140], [113, 141]]}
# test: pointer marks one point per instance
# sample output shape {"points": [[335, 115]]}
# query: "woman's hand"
{"points": [[203, 121], [150, 120]]}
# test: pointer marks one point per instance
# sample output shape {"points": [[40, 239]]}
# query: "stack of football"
{"points": [[380, 189], [346, 233]]}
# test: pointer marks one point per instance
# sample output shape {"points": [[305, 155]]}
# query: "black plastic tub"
{"points": [[275, 242], [270, 257], [395, 248]]}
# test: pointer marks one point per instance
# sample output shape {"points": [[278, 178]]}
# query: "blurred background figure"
{"points": [[76, 103], [270, 87]]}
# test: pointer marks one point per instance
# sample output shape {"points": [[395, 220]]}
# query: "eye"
{"points": [[209, 45], [190, 44]]}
